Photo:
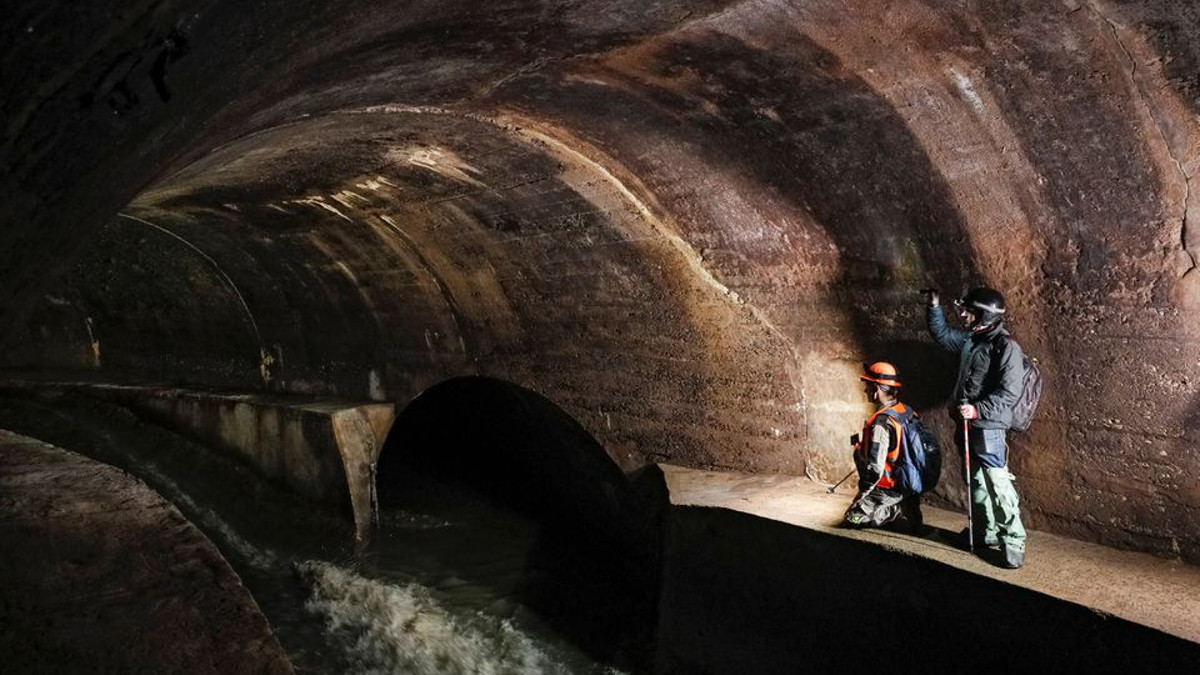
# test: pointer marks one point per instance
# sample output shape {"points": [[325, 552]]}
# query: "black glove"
{"points": [[932, 296]]}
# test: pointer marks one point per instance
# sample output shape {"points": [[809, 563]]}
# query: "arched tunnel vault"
{"points": [[437, 245], [685, 224]]}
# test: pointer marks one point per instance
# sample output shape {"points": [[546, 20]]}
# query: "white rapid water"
{"points": [[389, 627], [404, 629]]}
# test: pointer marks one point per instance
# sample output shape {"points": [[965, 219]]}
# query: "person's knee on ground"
{"points": [[876, 508]]}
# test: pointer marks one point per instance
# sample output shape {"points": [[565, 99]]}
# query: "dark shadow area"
{"points": [[553, 521], [160, 308], [1174, 27], [1093, 225], [927, 372], [855, 165], [807, 601], [207, 300], [1191, 421]]}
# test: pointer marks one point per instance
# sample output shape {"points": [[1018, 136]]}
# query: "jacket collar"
{"points": [[992, 331]]}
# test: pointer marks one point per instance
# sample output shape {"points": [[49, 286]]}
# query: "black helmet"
{"points": [[987, 302]]}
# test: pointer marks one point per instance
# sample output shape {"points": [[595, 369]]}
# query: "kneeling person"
{"points": [[878, 501]]}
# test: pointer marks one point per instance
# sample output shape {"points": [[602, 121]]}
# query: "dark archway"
{"points": [[591, 569], [513, 446]]}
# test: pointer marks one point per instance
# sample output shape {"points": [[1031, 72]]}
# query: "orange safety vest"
{"points": [[893, 453]]}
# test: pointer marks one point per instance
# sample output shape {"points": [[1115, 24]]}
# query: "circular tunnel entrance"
{"points": [[498, 493]]}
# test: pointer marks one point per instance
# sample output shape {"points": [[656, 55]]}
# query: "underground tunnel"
{"points": [[525, 336]]}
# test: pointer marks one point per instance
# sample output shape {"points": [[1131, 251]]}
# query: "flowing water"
{"points": [[442, 588], [436, 592]]}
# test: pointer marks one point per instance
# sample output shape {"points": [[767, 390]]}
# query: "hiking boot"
{"points": [[1013, 558], [856, 519], [1003, 557]]}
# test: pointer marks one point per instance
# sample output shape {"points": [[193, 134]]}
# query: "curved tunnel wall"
{"points": [[685, 225]]}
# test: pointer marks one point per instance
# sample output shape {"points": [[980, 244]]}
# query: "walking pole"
{"points": [[829, 490], [967, 457]]}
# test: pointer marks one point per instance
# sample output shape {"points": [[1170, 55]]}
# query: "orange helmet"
{"points": [[881, 372]]}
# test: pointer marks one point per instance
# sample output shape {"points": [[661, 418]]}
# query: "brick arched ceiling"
{"points": [[687, 223]]}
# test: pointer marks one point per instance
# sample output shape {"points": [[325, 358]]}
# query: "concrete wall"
{"points": [[744, 594], [323, 452]]}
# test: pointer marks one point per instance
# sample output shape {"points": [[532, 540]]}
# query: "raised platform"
{"points": [[322, 450], [759, 579]]}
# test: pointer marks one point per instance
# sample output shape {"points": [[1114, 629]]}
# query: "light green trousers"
{"points": [[996, 508]]}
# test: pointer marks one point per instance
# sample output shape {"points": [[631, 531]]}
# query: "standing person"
{"points": [[878, 501], [989, 381]]}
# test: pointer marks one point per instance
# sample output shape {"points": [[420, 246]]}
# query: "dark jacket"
{"points": [[990, 369]]}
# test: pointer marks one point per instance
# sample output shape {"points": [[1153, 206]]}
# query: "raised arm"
{"points": [[950, 339]]}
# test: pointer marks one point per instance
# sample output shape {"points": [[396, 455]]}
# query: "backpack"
{"points": [[919, 465], [1029, 396]]}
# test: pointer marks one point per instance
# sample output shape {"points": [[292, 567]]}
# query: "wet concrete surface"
{"points": [[1142, 589], [100, 574]]}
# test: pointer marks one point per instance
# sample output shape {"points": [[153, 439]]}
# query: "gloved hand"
{"points": [[871, 474], [968, 412], [931, 296]]}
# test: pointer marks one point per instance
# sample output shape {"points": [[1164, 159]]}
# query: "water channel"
{"points": [[451, 582]]}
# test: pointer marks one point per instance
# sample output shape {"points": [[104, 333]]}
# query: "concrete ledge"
{"points": [[99, 575], [758, 579], [324, 451]]}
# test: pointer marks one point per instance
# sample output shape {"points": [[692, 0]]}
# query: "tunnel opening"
{"points": [[512, 496]]}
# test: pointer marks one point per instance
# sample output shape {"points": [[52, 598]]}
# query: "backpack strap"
{"points": [[897, 416], [1001, 341], [901, 413]]}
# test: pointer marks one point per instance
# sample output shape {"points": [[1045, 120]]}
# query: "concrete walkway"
{"points": [[100, 574], [1143, 589]]}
